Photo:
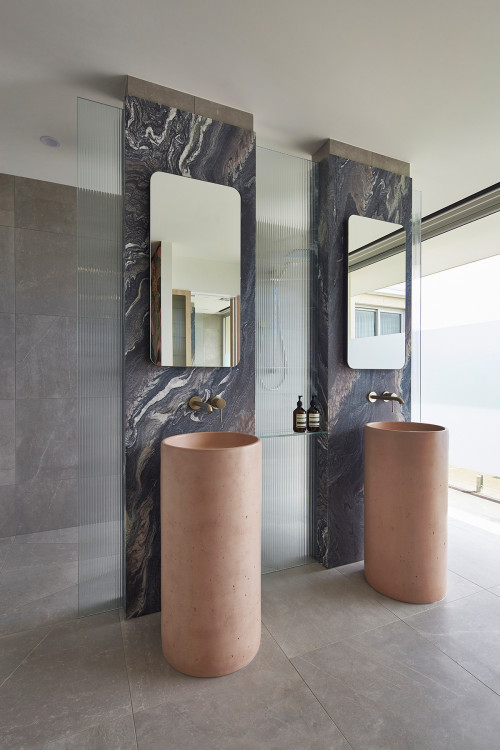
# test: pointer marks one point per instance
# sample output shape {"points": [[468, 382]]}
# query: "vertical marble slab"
{"points": [[349, 188], [161, 138]]}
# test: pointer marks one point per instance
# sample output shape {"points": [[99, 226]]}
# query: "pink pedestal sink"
{"points": [[406, 507], [210, 551]]}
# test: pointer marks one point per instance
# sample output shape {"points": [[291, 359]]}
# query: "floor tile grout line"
{"points": [[43, 567], [28, 654], [440, 603], [443, 603], [11, 543], [341, 640], [128, 681], [469, 580], [308, 687], [475, 677], [373, 594], [86, 729], [33, 601], [321, 704]]}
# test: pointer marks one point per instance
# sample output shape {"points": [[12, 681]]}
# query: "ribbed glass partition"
{"points": [[416, 294], [285, 351], [99, 333]]}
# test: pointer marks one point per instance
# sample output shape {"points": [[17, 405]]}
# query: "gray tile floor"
{"points": [[340, 666], [38, 579]]}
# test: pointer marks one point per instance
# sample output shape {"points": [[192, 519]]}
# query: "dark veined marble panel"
{"points": [[160, 138], [346, 188]]}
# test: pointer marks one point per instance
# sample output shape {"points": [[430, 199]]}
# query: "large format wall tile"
{"points": [[7, 510], [37, 353], [7, 356], [62, 605], [7, 441], [46, 446], [159, 138], [24, 585], [46, 206], [45, 504], [7, 200], [45, 273], [349, 188], [45, 356], [7, 276]]}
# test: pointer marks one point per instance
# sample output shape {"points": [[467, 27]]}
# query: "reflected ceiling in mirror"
{"points": [[376, 294], [195, 272]]}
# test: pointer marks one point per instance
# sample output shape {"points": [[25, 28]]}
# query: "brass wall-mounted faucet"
{"points": [[385, 396], [216, 402], [195, 403]]}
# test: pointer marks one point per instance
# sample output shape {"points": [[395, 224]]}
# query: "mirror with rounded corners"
{"points": [[195, 238], [376, 294]]}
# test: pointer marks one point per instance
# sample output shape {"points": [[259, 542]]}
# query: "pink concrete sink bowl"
{"points": [[406, 508], [211, 441], [210, 551]]}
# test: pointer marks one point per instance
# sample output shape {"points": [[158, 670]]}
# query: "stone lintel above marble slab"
{"points": [[362, 156], [188, 103]]}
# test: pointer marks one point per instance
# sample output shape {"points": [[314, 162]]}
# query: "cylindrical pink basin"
{"points": [[406, 508], [211, 490]]}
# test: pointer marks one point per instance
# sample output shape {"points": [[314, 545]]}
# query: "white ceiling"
{"points": [[417, 81]]}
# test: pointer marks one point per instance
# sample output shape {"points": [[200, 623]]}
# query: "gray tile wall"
{"points": [[38, 451]]}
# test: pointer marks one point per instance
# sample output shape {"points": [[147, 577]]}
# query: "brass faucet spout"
{"points": [[196, 403], [385, 396]]}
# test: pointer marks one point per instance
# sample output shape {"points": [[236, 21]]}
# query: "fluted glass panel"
{"points": [[285, 350], [416, 294], [99, 333]]}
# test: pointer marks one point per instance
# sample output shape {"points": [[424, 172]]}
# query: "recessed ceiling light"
{"points": [[48, 140]]}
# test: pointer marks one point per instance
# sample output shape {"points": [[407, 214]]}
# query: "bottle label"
{"points": [[300, 420], [314, 420]]}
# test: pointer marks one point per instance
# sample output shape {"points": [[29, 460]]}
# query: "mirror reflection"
{"points": [[376, 294], [195, 272]]}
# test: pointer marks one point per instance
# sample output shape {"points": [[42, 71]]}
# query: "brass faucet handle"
{"points": [[217, 402]]}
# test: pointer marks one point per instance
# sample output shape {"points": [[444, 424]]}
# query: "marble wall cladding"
{"points": [[347, 188], [160, 138], [37, 356]]}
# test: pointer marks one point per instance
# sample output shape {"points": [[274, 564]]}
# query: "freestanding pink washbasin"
{"points": [[406, 508], [211, 490]]}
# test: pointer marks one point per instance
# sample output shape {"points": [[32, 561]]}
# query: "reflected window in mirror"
{"points": [[195, 272], [376, 294]]}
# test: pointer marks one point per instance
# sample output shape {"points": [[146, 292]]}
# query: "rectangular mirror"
{"points": [[195, 239], [376, 294]]}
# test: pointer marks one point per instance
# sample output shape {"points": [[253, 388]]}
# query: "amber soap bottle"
{"points": [[299, 417], [313, 416]]}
